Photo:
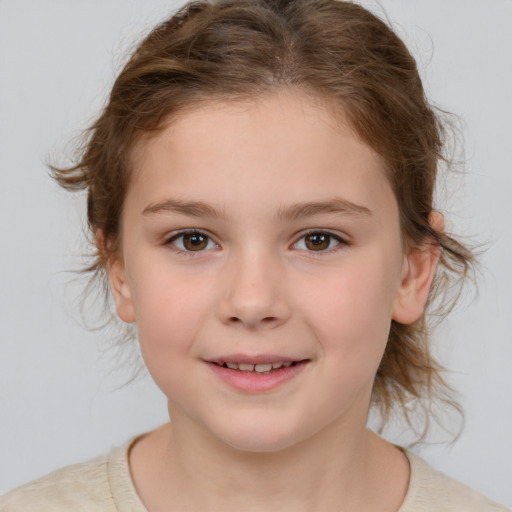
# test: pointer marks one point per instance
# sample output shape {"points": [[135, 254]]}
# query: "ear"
{"points": [[121, 290], [417, 274], [119, 285]]}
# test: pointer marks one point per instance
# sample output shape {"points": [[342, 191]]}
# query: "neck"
{"points": [[198, 472], [290, 478]]}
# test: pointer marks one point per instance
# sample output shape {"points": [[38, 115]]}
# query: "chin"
{"points": [[260, 444], [260, 438]]}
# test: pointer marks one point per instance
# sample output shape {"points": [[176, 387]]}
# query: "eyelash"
{"points": [[181, 235], [208, 240], [340, 242]]}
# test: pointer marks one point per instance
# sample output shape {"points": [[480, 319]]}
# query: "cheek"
{"points": [[169, 312], [351, 313]]}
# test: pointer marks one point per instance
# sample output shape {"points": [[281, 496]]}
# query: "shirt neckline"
{"points": [[127, 499]]}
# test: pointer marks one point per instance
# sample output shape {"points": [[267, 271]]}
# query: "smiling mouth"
{"points": [[261, 368], [261, 373]]}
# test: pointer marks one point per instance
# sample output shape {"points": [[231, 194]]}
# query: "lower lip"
{"points": [[254, 382]]}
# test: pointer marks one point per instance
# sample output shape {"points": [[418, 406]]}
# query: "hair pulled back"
{"points": [[337, 51]]}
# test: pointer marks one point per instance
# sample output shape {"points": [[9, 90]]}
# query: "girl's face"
{"points": [[254, 236]]}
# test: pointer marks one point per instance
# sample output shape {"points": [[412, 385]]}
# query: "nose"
{"points": [[254, 293]]}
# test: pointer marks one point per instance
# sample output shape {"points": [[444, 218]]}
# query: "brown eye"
{"points": [[195, 242], [192, 242], [317, 241]]}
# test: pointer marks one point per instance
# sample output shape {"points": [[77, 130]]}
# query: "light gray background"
{"points": [[59, 396]]}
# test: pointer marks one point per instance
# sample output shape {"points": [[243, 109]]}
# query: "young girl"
{"points": [[260, 191]]}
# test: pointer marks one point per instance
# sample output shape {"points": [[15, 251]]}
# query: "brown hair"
{"points": [[334, 50]]}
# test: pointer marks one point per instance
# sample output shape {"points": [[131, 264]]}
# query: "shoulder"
{"points": [[81, 486], [100, 484], [432, 491]]}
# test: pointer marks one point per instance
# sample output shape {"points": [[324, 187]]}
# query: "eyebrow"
{"points": [[336, 206], [189, 208]]}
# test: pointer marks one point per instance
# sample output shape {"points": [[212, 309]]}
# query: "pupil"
{"points": [[317, 241], [195, 241]]}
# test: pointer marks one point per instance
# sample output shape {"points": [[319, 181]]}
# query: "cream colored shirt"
{"points": [[104, 484]]}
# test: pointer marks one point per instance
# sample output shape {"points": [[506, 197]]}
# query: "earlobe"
{"points": [[417, 275], [121, 290], [118, 283]]}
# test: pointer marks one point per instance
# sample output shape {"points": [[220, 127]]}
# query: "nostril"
{"points": [[268, 320]]}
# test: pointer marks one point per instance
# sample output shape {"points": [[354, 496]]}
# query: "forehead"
{"points": [[287, 144], [264, 112]]}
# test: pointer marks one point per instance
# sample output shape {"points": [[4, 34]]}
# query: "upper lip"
{"points": [[254, 359]]}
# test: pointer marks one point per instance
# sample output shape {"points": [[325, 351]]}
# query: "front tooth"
{"points": [[246, 367], [277, 365], [263, 367], [233, 366]]}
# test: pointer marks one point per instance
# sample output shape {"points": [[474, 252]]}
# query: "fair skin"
{"points": [[259, 233]]}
